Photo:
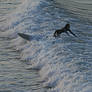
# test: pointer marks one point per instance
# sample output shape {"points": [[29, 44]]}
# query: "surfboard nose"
{"points": [[25, 36]]}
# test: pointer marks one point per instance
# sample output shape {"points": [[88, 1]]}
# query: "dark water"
{"points": [[80, 8], [65, 63]]}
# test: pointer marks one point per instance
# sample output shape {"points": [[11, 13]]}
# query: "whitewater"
{"points": [[65, 63]]}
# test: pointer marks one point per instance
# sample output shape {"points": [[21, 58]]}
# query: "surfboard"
{"points": [[25, 36]]}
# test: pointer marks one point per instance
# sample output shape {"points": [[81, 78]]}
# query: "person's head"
{"points": [[67, 26]]}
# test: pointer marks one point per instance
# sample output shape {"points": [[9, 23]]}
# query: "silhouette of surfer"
{"points": [[65, 29]]}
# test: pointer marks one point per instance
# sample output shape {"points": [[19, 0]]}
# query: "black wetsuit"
{"points": [[64, 29]]}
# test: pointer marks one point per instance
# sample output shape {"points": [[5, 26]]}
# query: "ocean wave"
{"points": [[64, 64]]}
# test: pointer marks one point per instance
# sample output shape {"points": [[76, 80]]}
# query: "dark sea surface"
{"points": [[79, 8], [45, 63]]}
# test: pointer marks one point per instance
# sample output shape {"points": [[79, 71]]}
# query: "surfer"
{"points": [[64, 29]]}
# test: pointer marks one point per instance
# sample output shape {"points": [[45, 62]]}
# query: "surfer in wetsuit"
{"points": [[64, 29]]}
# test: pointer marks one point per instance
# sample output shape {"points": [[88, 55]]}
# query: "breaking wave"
{"points": [[65, 63]]}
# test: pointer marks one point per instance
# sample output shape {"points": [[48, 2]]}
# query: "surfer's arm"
{"points": [[72, 33], [67, 33]]}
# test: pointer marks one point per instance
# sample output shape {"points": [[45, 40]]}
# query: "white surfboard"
{"points": [[25, 36]]}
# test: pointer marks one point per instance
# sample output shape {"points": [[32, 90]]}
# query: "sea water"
{"points": [[14, 75], [65, 63], [79, 8]]}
